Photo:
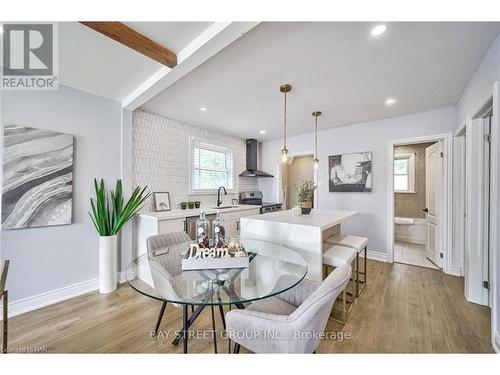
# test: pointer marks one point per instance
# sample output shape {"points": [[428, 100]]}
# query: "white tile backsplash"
{"points": [[161, 158]]}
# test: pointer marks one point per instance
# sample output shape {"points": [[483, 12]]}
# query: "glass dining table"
{"points": [[159, 275]]}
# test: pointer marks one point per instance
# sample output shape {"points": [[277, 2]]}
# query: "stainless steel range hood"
{"points": [[252, 170]]}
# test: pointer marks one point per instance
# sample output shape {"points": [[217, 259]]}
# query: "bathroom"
{"points": [[415, 190]]}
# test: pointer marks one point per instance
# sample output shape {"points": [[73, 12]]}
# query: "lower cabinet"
{"points": [[232, 221], [149, 226]]}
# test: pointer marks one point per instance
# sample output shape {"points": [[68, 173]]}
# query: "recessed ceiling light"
{"points": [[378, 30], [263, 132], [203, 109], [390, 101]]}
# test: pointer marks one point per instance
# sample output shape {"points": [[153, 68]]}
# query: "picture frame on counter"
{"points": [[162, 201]]}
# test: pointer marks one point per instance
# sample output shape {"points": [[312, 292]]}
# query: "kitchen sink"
{"points": [[224, 207]]}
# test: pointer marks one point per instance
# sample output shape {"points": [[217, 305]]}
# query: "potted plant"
{"points": [[305, 194], [183, 205], [197, 204], [191, 204], [109, 214]]}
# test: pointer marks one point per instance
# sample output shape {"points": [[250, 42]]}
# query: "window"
{"points": [[404, 173], [211, 167]]}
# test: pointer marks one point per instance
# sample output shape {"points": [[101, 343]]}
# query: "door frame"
{"points": [[279, 180], [445, 205]]}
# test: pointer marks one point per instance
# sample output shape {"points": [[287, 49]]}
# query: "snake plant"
{"points": [[109, 213]]}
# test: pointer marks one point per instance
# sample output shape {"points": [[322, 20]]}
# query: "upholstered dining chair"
{"points": [[4, 266], [156, 246], [167, 278], [291, 322]]}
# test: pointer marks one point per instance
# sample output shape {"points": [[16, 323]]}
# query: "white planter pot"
{"points": [[107, 263]]}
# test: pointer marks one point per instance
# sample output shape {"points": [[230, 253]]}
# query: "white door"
{"points": [[433, 183]]}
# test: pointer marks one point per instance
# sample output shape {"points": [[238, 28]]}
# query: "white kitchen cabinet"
{"points": [[153, 223], [147, 226], [232, 221]]}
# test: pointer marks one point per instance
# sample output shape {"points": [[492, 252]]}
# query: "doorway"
{"points": [[419, 207], [417, 185], [301, 169], [475, 224]]}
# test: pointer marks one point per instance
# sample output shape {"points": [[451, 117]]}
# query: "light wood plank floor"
{"points": [[404, 309]]}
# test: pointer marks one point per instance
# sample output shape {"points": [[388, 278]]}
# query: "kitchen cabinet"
{"points": [[232, 221], [153, 223]]}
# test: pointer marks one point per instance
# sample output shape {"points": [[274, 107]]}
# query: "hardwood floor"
{"points": [[404, 309]]}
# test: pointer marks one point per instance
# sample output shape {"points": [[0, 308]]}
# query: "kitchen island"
{"points": [[304, 234]]}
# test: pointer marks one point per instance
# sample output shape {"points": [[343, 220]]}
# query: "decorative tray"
{"points": [[205, 258]]}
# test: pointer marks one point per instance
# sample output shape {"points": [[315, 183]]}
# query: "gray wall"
{"points": [[373, 218], [46, 259]]}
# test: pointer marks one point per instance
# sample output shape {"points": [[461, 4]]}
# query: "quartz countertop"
{"points": [[180, 214], [323, 219]]}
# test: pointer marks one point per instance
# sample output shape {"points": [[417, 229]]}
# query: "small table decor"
{"points": [[232, 255]]}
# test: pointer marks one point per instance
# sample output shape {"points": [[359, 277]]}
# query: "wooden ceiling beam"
{"points": [[129, 37]]}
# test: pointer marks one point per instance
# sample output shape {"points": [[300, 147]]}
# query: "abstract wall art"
{"points": [[350, 172], [37, 183]]}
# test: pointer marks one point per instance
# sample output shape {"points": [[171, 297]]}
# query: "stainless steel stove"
{"points": [[255, 198]]}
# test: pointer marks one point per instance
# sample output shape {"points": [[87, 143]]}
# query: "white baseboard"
{"points": [[496, 342], [455, 271], [38, 301], [377, 255]]}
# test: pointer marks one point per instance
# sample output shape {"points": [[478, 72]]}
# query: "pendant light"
{"points": [[316, 160], [286, 156]]}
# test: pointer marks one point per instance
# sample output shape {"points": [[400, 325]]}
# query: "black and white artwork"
{"points": [[37, 184], [350, 172], [162, 201]]}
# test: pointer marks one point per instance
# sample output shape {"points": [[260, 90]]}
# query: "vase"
{"points": [[306, 207], [107, 264]]}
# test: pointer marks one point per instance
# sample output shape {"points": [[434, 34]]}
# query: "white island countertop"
{"points": [[303, 233], [181, 214], [323, 219]]}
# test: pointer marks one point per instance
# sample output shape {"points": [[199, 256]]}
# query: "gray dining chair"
{"points": [[157, 246], [166, 272], [291, 322], [4, 267]]}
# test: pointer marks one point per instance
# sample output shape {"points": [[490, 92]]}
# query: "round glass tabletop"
{"points": [[272, 270]]}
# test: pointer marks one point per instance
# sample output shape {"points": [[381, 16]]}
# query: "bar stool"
{"points": [[336, 256], [360, 244]]}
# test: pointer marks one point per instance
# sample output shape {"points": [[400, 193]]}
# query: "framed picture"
{"points": [[162, 201], [37, 177], [350, 172]]}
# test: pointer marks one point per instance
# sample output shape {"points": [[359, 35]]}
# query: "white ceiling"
{"points": [[337, 68], [97, 64], [172, 35]]}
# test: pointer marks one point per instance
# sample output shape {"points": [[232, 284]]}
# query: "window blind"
{"points": [[211, 167]]}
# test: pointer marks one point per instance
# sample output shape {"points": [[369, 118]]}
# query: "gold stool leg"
{"points": [[344, 305], [5, 320], [357, 275], [366, 258], [346, 311]]}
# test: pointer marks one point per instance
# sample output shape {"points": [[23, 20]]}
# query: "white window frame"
{"points": [[208, 146], [411, 172]]}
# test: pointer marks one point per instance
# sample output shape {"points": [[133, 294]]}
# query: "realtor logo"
{"points": [[29, 56]]}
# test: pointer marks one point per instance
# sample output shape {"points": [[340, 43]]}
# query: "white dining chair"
{"points": [[291, 322]]}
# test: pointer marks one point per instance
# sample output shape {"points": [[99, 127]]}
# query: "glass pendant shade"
{"points": [[286, 157]]}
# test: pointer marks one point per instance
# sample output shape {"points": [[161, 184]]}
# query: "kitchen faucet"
{"points": [[219, 202]]}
